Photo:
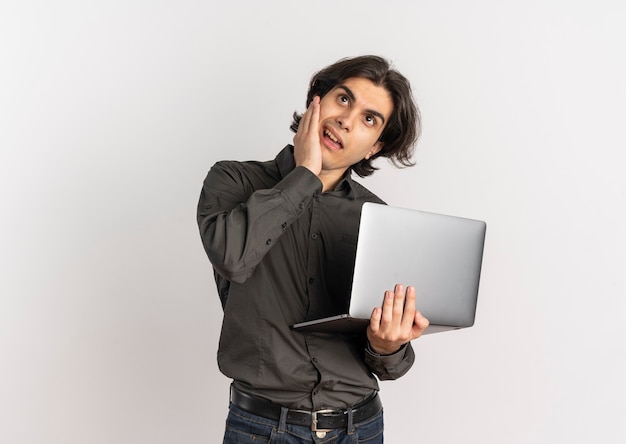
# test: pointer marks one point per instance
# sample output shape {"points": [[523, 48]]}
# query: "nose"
{"points": [[345, 120]]}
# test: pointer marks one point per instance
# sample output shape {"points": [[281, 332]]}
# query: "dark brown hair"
{"points": [[403, 128]]}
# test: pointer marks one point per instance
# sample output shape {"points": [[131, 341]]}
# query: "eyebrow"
{"points": [[352, 97]]}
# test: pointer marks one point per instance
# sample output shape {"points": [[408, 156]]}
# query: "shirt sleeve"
{"points": [[393, 366], [238, 224]]}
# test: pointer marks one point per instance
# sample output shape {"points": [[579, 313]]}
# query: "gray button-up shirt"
{"points": [[283, 252]]}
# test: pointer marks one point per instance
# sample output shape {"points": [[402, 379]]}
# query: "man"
{"points": [[281, 236]]}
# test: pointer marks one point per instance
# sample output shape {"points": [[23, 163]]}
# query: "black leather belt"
{"points": [[320, 420]]}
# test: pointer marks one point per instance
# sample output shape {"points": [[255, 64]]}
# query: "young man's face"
{"points": [[352, 117]]}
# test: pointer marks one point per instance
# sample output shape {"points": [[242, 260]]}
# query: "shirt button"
{"points": [[314, 235], [311, 280], [269, 241]]}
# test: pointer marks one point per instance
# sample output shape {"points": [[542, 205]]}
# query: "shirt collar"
{"points": [[346, 187]]}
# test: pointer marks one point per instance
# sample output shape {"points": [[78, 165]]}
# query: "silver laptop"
{"points": [[439, 255]]}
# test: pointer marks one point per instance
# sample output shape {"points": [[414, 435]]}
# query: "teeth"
{"points": [[331, 137]]}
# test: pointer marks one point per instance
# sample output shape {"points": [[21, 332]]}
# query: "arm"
{"points": [[238, 226]]}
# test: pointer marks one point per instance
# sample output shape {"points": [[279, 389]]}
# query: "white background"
{"points": [[112, 112]]}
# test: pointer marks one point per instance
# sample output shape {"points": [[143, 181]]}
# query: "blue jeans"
{"points": [[245, 428]]}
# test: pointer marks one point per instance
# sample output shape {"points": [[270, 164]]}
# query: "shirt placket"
{"points": [[314, 284]]}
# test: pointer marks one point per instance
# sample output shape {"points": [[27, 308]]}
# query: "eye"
{"points": [[343, 99], [370, 120]]}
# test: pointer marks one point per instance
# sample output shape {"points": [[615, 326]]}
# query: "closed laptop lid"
{"points": [[439, 255]]}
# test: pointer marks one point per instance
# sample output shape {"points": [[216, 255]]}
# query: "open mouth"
{"points": [[332, 138]]}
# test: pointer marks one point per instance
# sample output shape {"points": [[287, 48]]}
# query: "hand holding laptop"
{"points": [[396, 322]]}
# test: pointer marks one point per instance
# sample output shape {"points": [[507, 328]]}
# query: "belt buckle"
{"points": [[314, 421]]}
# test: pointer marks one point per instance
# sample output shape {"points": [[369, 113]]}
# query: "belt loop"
{"points": [[282, 422], [350, 413]]}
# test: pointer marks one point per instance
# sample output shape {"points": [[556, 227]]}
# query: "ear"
{"points": [[375, 149]]}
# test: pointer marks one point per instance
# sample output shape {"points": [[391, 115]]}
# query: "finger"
{"points": [[387, 309], [408, 315], [398, 302], [303, 125], [375, 320], [310, 116], [315, 115], [420, 325]]}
